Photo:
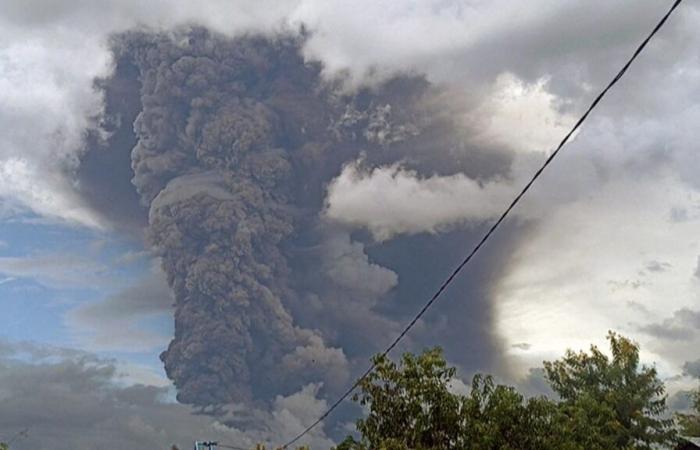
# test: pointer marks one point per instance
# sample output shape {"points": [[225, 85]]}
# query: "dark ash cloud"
{"points": [[234, 142], [104, 174]]}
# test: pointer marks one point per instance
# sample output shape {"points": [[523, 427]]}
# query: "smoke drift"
{"points": [[233, 146]]}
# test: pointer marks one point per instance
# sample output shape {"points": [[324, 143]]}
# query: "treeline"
{"points": [[602, 403]]}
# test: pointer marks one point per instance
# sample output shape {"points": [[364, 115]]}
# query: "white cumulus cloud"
{"points": [[393, 200]]}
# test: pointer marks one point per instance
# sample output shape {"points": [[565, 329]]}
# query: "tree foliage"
{"points": [[412, 406], [603, 404], [619, 401]]}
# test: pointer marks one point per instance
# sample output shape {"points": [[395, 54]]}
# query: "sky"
{"points": [[606, 240]]}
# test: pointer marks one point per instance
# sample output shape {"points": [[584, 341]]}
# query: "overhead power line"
{"points": [[493, 228]]}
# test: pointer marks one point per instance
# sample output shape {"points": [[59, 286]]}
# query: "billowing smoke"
{"points": [[235, 143]]}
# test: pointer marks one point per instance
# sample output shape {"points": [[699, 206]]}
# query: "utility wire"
{"points": [[493, 228]]}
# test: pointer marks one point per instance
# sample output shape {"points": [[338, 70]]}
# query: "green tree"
{"points": [[603, 404], [497, 417], [611, 403], [411, 406]]}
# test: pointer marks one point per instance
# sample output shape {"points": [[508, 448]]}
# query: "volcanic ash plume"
{"points": [[235, 143], [235, 140], [215, 164]]}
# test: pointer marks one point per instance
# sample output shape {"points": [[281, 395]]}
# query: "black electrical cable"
{"points": [[493, 228]]}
